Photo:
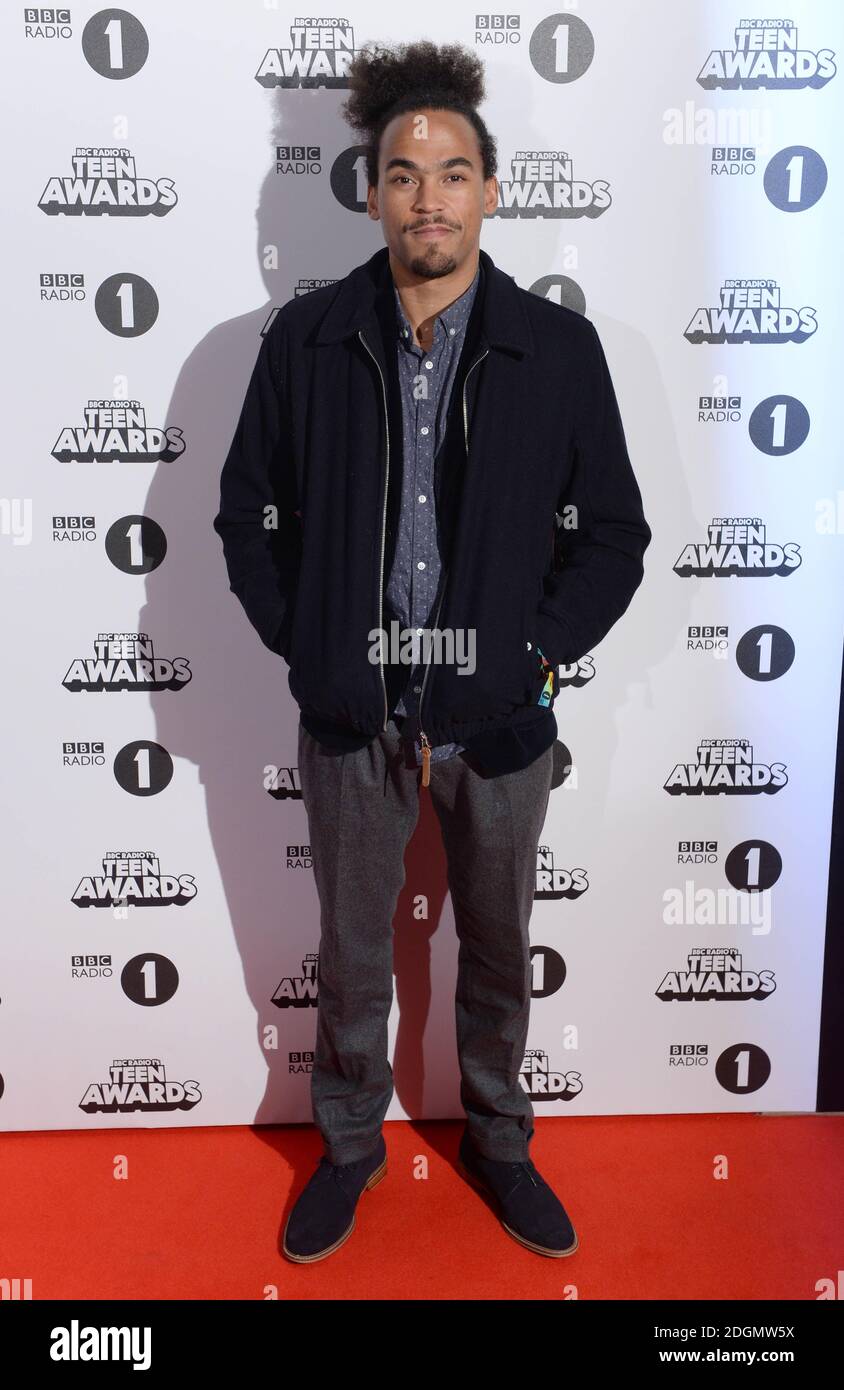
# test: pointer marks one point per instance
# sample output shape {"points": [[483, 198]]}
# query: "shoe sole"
{"points": [[329, 1249], [523, 1240]]}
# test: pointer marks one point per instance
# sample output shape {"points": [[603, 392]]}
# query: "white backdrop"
{"points": [[161, 918]]}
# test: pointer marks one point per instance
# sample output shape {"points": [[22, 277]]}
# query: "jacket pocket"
{"points": [[536, 675]]}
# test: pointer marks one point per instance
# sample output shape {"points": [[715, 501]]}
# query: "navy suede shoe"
{"points": [[528, 1209], [324, 1214]]}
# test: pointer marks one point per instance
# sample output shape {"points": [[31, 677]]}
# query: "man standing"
{"points": [[408, 439]]}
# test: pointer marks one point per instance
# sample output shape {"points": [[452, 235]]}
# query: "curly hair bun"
{"points": [[385, 82], [419, 73]]}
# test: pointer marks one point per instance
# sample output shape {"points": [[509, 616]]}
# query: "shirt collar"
{"points": [[455, 315]]}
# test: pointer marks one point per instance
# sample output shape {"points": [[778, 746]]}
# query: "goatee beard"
{"points": [[433, 270]]}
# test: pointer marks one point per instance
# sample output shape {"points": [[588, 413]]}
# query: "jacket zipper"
{"points": [[423, 737], [383, 517]]}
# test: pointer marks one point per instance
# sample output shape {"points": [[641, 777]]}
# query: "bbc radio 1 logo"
{"points": [[83, 753], [134, 544], [688, 1055], [134, 878], [707, 637], [106, 182], [718, 410], [766, 53], [751, 867], [497, 30], [697, 852], [547, 972], [737, 545], [46, 22], [114, 43], [91, 967], [293, 160], [148, 980], [750, 311], [138, 1084], [542, 1084], [125, 304], [116, 431], [794, 178], [126, 661], [763, 653], [561, 48], [299, 991], [554, 883], [70, 530], [725, 767], [318, 53], [740, 1069], [777, 426], [298, 857], [61, 287], [300, 1063], [715, 972], [141, 767]]}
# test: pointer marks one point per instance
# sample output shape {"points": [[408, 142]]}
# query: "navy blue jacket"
{"points": [[309, 498]]}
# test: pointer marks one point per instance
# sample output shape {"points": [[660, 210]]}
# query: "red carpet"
{"points": [[201, 1211]]}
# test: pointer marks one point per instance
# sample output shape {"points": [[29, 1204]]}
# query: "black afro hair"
{"points": [[385, 82]]}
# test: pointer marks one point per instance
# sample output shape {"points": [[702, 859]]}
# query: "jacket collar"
{"points": [[504, 320]]}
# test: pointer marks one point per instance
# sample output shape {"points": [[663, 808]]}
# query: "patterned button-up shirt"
{"points": [[415, 572]]}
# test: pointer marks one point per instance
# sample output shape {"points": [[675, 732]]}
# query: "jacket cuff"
{"points": [[554, 638]]}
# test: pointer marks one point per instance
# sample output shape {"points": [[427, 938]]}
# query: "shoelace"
{"points": [[326, 1170], [521, 1169], [518, 1172]]}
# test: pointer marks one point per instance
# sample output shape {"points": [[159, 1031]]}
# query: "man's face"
{"points": [[430, 176]]}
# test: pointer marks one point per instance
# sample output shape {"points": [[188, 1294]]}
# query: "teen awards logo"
{"points": [[541, 1083], [750, 311], [305, 285], [299, 991], [106, 182], [766, 53], [725, 766], [126, 661], [553, 884], [134, 877], [542, 184], [138, 1083], [737, 545], [318, 54], [716, 972], [116, 431], [577, 673]]}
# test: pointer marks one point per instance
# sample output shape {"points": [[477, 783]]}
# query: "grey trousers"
{"points": [[362, 808]]}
